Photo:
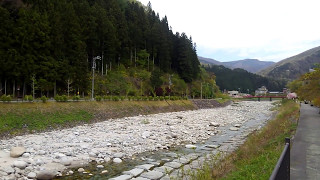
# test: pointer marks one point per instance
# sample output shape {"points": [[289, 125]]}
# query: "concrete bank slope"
{"points": [[305, 159], [208, 103]]}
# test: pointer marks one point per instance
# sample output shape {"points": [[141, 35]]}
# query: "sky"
{"points": [[227, 30]]}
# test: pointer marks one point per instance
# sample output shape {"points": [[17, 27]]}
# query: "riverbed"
{"points": [[122, 140]]}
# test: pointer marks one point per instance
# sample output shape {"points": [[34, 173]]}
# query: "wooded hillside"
{"points": [[51, 44]]}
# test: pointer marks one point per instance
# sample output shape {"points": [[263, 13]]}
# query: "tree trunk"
{"points": [[0, 87], [14, 89], [55, 88], [135, 57], [102, 64], [5, 87], [24, 89]]}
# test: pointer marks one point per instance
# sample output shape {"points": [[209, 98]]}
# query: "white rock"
{"points": [[66, 161], [237, 125], [104, 172], [80, 170], [100, 166], [118, 155], [20, 164], [214, 124], [117, 160], [46, 174], [17, 151], [190, 146], [32, 175], [234, 128]]}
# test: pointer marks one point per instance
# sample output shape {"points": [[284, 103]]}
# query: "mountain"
{"points": [[293, 67], [247, 82], [251, 65]]}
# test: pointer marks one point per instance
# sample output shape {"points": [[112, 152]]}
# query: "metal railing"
{"points": [[282, 169]]}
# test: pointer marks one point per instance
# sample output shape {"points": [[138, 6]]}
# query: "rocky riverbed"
{"points": [[49, 154]]}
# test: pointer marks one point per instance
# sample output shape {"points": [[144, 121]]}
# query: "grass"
{"points": [[257, 157], [22, 118]]}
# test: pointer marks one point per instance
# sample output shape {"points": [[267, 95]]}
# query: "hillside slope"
{"points": [[250, 65], [295, 66]]}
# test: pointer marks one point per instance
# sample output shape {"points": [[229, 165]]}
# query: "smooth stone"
{"points": [[190, 146], [154, 175], [118, 155], [32, 175], [17, 151], [174, 165], [66, 161], [20, 164], [104, 172], [100, 166], [122, 177], [80, 170], [214, 124], [234, 128], [117, 160], [41, 152], [46, 174], [26, 155], [212, 146], [145, 166], [134, 172], [164, 169]]}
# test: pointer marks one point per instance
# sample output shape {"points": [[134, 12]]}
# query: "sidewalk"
{"points": [[305, 152]]}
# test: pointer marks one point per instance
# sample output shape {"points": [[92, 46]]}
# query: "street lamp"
{"points": [[93, 68]]}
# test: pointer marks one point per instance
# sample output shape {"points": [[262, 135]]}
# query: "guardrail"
{"points": [[282, 169]]}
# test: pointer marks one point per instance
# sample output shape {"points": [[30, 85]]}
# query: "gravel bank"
{"points": [[48, 154]]}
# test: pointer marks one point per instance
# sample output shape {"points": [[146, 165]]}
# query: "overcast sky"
{"points": [[226, 30]]}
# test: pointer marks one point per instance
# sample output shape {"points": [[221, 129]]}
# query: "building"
{"points": [[261, 91], [233, 93]]}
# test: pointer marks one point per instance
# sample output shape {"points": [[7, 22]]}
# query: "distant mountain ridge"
{"points": [[293, 67], [250, 65]]}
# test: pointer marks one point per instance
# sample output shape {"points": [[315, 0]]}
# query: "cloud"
{"points": [[264, 28]]}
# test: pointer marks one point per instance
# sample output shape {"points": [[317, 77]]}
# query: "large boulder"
{"points": [[17, 151], [46, 174]]}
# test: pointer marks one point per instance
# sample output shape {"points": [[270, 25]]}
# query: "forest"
{"points": [[228, 79], [51, 47]]}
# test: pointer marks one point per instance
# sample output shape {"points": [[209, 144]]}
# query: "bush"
{"points": [[137, 98], [144, 98], [28, 98], [62, 98], [107, 98], [166, 98], [44, 99], [115, 98], [130, 98], [122, 98], [98, 98], [5, 98], [161, 98], [76, 98], [150, 98], [156, 98]]}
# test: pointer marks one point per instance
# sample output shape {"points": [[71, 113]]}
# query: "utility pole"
{"points": [[93, 68]]}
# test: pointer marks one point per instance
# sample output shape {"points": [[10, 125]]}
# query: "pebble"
{"points": [[32, 175], [190, 146]]}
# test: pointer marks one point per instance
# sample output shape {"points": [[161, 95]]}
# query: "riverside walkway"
{"points": [[305, 152]]}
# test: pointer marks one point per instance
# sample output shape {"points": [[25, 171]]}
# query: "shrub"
{"points": [[98, 98], [107, 98], [144, 98], [156, 98], [5, 98], [64, 98], [44, 99], [150, 98], [166, 98], [28, 98], [129, 98], [122, 98], [115, 98], [161, 98], [76, 98]]}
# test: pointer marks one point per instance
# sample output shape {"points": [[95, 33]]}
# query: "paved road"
{"points": [[305, 152]]}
